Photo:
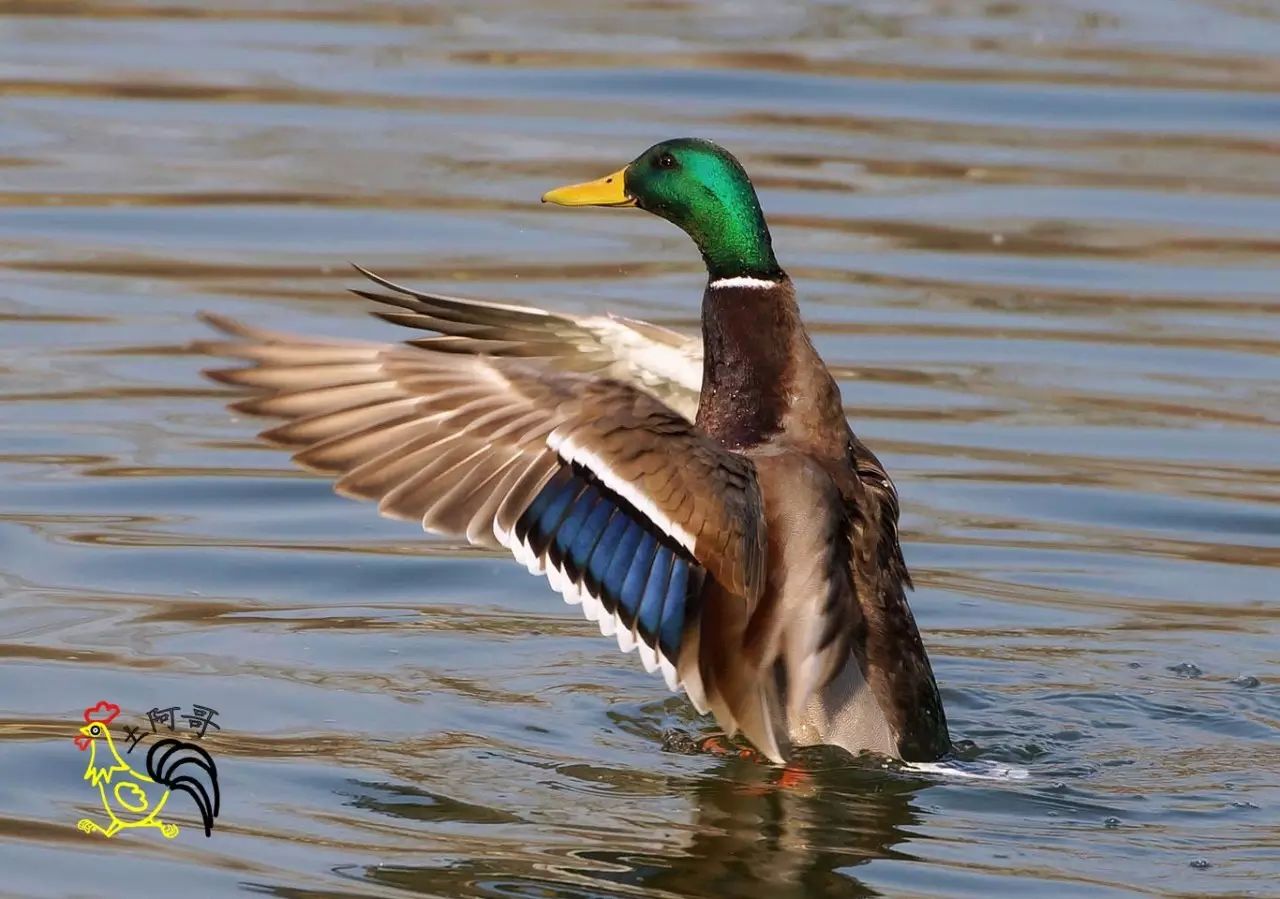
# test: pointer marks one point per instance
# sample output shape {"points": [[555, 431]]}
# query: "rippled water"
{"points": [[1039, 240]]}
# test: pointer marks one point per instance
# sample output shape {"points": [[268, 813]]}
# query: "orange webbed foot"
{"points": [[721, 745]]}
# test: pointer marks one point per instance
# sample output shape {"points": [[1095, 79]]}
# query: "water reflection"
{"points": [[752, 834], [747, 834]]}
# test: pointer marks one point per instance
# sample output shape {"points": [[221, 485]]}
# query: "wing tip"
{"points": [[226, 326], [223, 323], [384, 282], [233, 377]]}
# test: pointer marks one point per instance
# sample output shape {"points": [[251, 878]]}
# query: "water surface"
{"points": [[1038, 240]]}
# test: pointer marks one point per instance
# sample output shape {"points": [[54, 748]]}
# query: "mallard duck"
{"points": [[704, 502]]}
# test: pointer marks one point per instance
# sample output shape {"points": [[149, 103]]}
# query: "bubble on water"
{"points": [[1248, 681], [1243, 803], [1186, 669], [1200, 864], [1111, 823]]}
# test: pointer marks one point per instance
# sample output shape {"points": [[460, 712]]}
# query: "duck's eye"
{"points": [[666, 161]]}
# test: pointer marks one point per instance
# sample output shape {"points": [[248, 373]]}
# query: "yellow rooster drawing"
{"points": [[132, 799]]}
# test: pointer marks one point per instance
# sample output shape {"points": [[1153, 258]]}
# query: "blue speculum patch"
{"points": [[600, 541]]}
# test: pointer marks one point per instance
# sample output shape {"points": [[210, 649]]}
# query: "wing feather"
{"points": [[617, 498], [664, 363]]}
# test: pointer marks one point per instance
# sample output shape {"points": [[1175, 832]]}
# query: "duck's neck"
{"points": [[762, 379], [749, 328], [730, 232]]}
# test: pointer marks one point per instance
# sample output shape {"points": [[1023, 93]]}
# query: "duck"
{"points": [[704, 502]]}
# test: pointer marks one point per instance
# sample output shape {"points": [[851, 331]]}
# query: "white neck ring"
{"points": [[753, 283]]}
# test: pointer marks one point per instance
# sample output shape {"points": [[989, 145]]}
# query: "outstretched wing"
{"points": [[662, 362], [185, 766], [618, 499]]}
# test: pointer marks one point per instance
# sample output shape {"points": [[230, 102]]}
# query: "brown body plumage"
{"points": [[827, 500]]}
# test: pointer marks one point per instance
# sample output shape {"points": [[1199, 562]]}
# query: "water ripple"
{"points": [[1037, 241]]}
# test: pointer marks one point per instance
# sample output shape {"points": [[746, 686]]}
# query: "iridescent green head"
{"points": [[700, 187]]}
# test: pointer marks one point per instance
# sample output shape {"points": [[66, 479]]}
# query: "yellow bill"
{"points": [[606, 191]]}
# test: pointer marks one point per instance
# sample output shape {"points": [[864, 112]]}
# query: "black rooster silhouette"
{"points": [[187, 767]]}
